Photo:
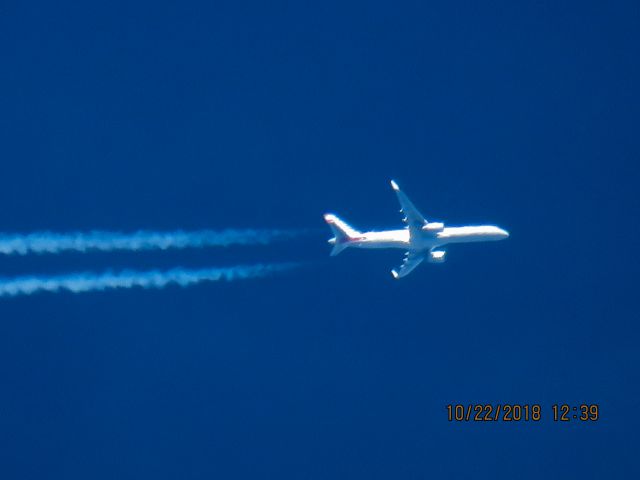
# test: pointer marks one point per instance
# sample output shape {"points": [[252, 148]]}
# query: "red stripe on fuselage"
{"points": [[352, 239]]}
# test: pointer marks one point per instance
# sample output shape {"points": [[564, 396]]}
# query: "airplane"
{"points": [[420, 238]]}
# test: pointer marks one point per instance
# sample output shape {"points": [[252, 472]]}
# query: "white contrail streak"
{"points": [[48, 242], [88, 281]]}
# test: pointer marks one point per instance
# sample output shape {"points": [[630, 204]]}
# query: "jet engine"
{"points": [[433, 227], [437, 256]]}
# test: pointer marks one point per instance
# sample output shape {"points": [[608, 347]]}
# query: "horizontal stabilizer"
{"points": [[343, 233]]}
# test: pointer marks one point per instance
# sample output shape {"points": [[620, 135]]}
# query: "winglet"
{"points": [[395, 274], [395, 186]]}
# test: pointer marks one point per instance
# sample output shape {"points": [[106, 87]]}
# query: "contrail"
{"points": [[48, 242], [89, 282]]}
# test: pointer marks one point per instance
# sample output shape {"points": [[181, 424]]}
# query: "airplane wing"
{"points": [[411, 261], [412, 217]]}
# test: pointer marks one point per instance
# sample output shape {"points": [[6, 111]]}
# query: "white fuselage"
{"points": [[420, 238], [427, 240]]}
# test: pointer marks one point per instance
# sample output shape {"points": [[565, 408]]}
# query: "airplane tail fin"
{"points": [[343, 233]]}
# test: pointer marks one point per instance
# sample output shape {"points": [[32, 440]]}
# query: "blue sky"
{"points": [[154, 115]]}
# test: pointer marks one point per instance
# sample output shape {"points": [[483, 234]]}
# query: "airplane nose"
{"points": [[504, 233]]}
